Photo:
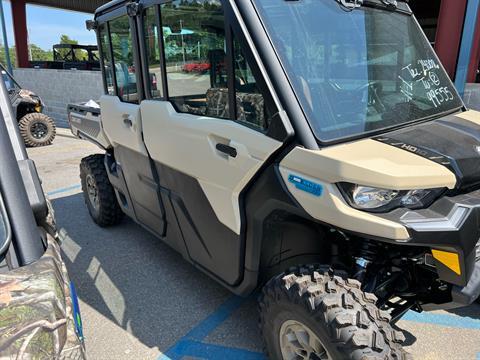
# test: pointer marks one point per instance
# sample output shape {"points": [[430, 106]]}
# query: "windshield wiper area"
{"points": [[353, 4], [350, 4]]}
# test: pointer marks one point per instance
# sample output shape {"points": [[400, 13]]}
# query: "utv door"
{"points": [[208, 134], [121, 118]]}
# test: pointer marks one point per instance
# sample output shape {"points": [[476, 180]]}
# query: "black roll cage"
{"points": [[90, 49], [23, 207]]}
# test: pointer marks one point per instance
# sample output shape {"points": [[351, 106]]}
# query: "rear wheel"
{"points": [[37, 129], [307, 313], [98, 193]]}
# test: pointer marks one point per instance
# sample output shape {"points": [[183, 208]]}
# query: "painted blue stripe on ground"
{"points": [[65, 189], [478, 356], [202, 330], [205, 327], [443, 320], [211, 352]]}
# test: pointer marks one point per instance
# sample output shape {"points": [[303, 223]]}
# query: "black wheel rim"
{"points": [[39, 130]]}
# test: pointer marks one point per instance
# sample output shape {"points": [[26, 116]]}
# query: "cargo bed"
{"points": [[84, 122]]}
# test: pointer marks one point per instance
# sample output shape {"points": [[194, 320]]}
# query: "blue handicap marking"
{"points": [[201, 350], [191, 344], [65, 189], [203, 329], [463, 322]]}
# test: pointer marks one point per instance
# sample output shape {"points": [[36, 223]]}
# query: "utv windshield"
{"points": [[356, 71]]}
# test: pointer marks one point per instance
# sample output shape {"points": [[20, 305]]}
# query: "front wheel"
{"points": [[37, 129], [309, 314]]}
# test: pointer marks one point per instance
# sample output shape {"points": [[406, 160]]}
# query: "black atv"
{"points": [[37, 129]]}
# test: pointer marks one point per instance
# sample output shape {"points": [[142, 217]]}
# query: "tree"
{"points": [[13, 55], [65, 39], [38, 54]]}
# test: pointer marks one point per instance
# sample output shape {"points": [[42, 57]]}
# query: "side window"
{"points": [[152, 38], [107, 58], [123, 59], [250, 102], [195, 47]]}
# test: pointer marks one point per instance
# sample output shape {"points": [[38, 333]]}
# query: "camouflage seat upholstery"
{"points": [[217, 102], [250, 106], [253, 108], [201, 110]]}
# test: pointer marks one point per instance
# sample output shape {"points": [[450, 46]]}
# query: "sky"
{"points": [[45, 25]]}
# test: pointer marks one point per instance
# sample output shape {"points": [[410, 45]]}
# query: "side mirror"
{"points": [[5, 229], [91, 25]]}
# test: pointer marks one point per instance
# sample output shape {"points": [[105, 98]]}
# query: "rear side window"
{"points": [[152, 39], [107, 59], [121, 40], [195, 56]]}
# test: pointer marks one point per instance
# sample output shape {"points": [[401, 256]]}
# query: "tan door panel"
{"points": [[122, 123], [187, 143]]}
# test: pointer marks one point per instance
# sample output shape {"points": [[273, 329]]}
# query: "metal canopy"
{"points": [[87, 6]]}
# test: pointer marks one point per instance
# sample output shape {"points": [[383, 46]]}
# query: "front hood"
{"points": [[29, 96], [452, 142]]}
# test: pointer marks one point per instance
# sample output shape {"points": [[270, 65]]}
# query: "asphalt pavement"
{"points": [[140, 300]]}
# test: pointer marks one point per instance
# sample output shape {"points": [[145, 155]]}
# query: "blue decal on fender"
{"points": [[306, 185]]}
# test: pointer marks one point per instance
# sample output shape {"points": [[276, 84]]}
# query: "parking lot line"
{"points": [[192, 340], [202, 330], [212, 352], [62, 190], [463, 322]]}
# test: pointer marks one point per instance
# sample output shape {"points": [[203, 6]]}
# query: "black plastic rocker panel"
{"points": [[210, 244], [142, 188]]}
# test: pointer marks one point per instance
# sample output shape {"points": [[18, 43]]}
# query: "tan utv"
{"points": [[316, 148]]}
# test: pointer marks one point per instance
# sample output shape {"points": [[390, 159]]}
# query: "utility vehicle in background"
{"points": [[36, 128], [71, 57], [80, 57], [39, 313], [325, 156]]}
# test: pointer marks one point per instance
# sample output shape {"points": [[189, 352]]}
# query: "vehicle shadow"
{"points": [[133, 279], [410, 339], [472, 311]]}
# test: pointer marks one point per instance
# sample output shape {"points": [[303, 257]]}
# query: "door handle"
{"points": [[127, 120], [226, 149]]}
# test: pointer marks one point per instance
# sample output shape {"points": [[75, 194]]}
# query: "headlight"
{"points": [[384, 200]]}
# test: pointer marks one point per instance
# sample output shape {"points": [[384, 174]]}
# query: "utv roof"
{"points": [[75, 46], [112, 5]]}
